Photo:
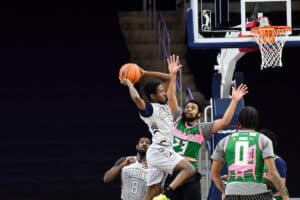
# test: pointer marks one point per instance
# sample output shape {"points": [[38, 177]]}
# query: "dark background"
{"points": [[65, 118]]}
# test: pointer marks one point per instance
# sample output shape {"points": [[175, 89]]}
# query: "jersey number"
{"points": [[134, 187], [241, 153], [180, 144]]}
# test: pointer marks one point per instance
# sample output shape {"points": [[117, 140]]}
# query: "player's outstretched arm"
{"points": [[237, 94], [164, 77], [134, 95], [173, 66]]}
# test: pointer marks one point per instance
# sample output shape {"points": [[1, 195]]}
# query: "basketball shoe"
{"points": [[161, 197]]}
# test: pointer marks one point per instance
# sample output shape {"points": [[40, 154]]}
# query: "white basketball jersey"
{"points": [[160, 124], [134, 184]]}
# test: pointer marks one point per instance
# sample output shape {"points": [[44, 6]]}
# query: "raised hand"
{"points": [[173, 64], [238, 93]]}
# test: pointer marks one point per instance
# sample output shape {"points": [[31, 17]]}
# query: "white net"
{"points": [[271, 40]]}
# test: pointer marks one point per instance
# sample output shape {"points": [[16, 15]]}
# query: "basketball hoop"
{"points": [[271, 40]]}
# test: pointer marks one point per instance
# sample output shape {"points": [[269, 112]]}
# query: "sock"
{"points": [[169, 192]]}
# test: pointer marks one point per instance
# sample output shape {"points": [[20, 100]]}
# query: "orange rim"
{"points": [[267, 34]]}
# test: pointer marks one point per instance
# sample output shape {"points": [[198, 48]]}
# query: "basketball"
{"points": [[131, 71]]}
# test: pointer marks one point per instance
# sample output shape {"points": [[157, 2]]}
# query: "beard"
{"points": [[188, 119]]}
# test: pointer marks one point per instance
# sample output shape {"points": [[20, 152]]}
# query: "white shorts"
{"points": [[161, 161]]}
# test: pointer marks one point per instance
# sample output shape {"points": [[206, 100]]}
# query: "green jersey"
{"points": [[188, 140], [244, 157], [243, 152]]}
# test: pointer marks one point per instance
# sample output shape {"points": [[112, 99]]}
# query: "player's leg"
{"points": [[178, 193], [169, 161], [192, 188], [185, 171], [155, 177]]}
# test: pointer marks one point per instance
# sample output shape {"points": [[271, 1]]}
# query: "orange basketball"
{"points": [[131, 71]]}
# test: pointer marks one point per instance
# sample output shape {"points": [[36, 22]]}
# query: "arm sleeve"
{"points": [[148, 111], [219, 153], [266, 146], [206, 129]]}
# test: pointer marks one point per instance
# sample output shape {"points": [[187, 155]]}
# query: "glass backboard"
{"points": [[227, 23]]}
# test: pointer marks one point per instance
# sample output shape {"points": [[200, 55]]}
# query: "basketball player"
{"points": [[133, 170], [245, 153], [157, 113], [190, 133]]}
